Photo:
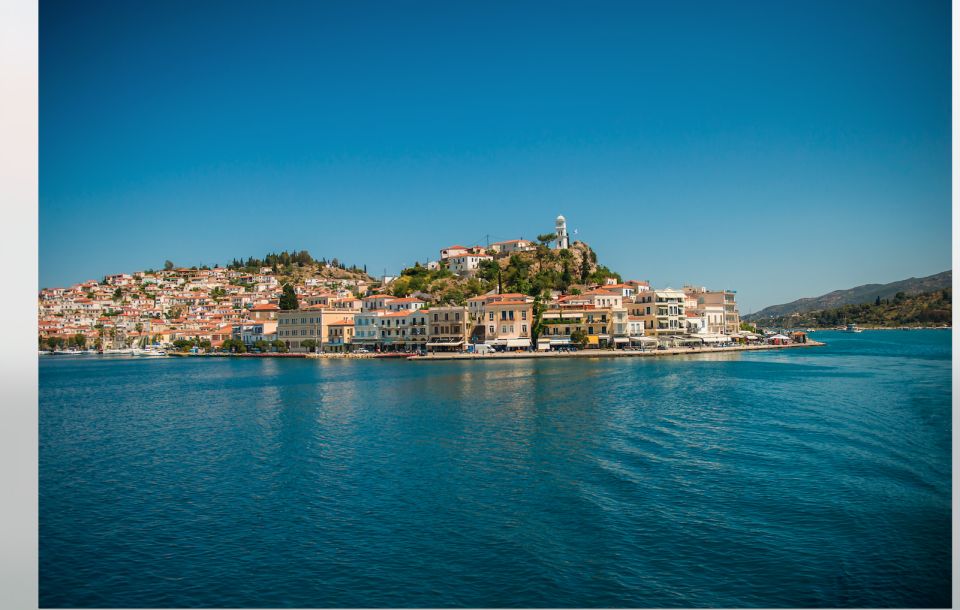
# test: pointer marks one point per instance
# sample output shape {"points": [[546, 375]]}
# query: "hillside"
{"points": [[867, 293], [526, 272], [296, 267], [928, 308]]}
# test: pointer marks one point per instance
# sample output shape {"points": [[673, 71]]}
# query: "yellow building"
{"points": [[596, 323], [505, 320], [296, 326], [449, 328], [662, 312], [339, 336]]}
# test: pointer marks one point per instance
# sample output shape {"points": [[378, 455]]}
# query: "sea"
{"points": [[792, 478]]}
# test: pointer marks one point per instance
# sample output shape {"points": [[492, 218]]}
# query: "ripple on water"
{"points": [[798, 478]]}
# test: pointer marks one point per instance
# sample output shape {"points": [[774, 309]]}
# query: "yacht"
{"points": [[152, 352], [853, 328]]}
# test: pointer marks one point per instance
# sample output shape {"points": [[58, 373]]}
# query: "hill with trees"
{"points": [[926, 309], [867, 293], [531, 272]]}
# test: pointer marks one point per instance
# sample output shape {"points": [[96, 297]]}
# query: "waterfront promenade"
{"points": [[586, 353], [608, 353]]}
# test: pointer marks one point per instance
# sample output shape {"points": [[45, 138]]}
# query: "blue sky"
{"points": [[779, 149]]}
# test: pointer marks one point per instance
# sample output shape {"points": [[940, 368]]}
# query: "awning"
{"points": [[593, 340], [564, 341], [643, 339], [713, 338], [496, 342], [621, 340], [518, 342], [444, 344]]}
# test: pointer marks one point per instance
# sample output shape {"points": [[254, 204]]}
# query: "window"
{"points": [[523, 315], [503, 329], [491, 318], [491, 330], [523, 329]]}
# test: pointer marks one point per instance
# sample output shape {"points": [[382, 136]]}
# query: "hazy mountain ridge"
{"points": [[866, 293]]}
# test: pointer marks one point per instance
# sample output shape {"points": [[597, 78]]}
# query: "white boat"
{"points": [[853, 328], [151, 352]]}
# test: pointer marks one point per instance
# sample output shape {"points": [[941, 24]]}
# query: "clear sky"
{"points": [[782, 149]]}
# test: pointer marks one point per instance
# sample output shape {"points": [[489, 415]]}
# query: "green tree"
{"points": [[578, 337], [288, 300], [183, 345], [566, 277], [167, 265], [310, 344], [877, 302], [280, 346], [487, 270], [117, 294], [537, 324], [218, 294], [546, 238]]}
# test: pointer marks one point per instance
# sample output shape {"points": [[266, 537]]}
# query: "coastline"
{"points": [[586, 353], [593, 353]]}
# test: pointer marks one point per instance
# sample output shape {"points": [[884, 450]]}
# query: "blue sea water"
{"points": [[808, 477]]}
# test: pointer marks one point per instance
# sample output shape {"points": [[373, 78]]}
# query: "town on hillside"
{"points": [[530, 295]]}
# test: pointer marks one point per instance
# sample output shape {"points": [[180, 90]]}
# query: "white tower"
{"points": [[563, 242]]}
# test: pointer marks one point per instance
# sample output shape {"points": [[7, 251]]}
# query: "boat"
{"points": [[853, 328], [151, 352]]}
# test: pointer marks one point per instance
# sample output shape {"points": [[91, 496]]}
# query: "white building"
{"points": [[467, 264], [563, 241]]}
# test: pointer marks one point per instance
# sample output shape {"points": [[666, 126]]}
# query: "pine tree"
{"points": [[288, 300]]}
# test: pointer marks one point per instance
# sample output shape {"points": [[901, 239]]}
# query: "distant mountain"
{"points": [[867, 293]]}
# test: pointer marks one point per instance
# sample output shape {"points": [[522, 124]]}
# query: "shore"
{"points": [[609, 353], [586, 353]]}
